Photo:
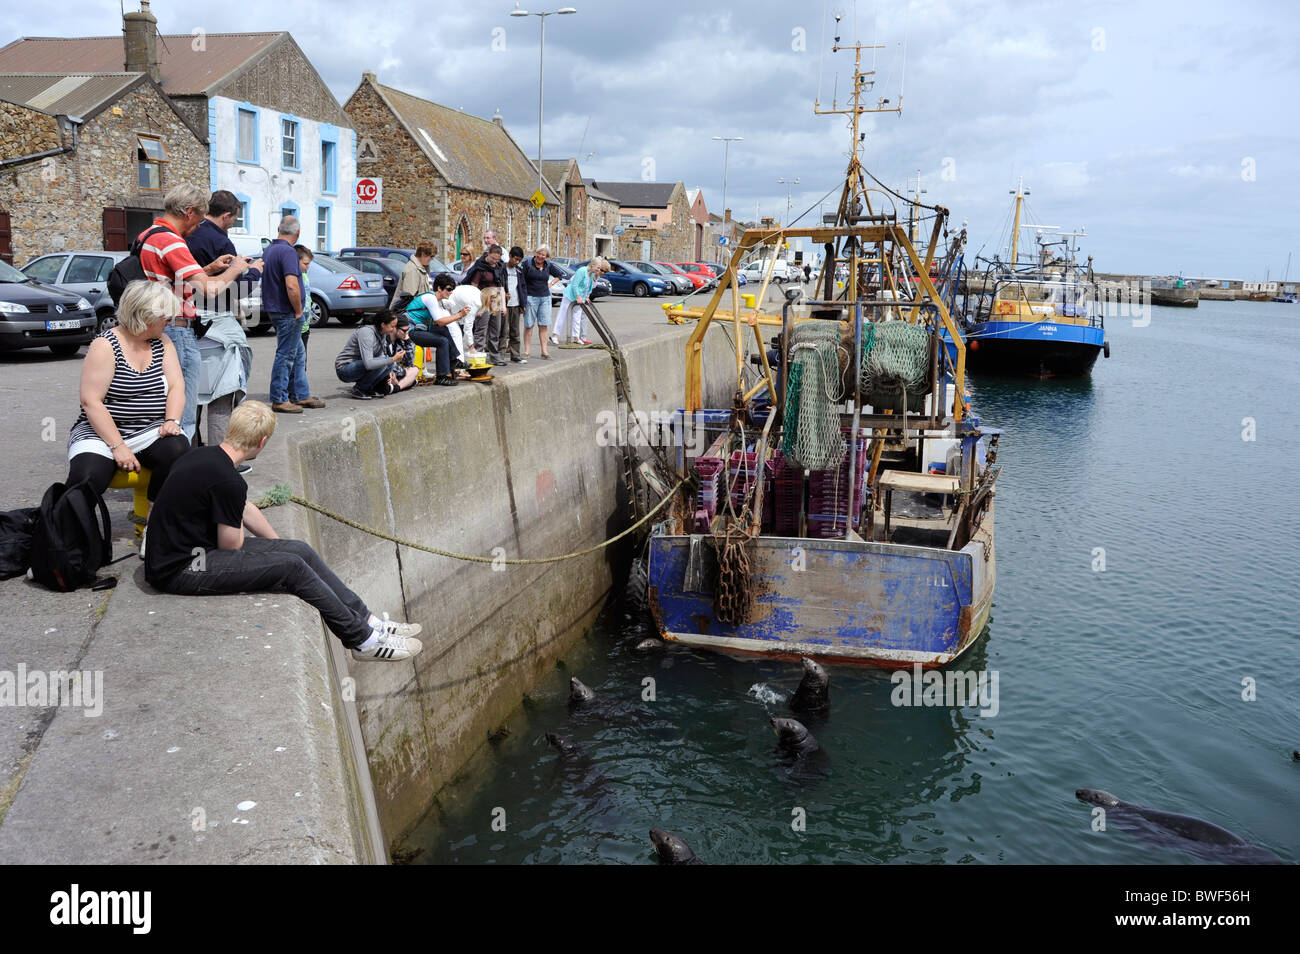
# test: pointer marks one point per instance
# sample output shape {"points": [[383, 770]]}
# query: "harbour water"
{"points": [[1143, 635]]}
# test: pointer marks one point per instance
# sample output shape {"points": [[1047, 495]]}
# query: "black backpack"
{"points": [[68, 544], [16, 528], [130, 269]]}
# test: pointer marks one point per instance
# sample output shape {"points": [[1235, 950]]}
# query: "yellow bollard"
{"points": [[748, 300], [137, 481]]}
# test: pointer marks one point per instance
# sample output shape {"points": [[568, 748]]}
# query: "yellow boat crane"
{"points": [[855, 235]]}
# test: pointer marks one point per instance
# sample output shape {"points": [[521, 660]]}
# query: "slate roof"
{"points": [[595, 193], [469, 152], [640, 195], [181, 71], [555, 172], [79, 94]]}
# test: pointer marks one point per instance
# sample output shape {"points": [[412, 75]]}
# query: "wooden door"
{"points": [[115, 230]]}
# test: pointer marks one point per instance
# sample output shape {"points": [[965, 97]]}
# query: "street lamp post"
{"points": [[787, 183], [726, 155], [541, 75]]}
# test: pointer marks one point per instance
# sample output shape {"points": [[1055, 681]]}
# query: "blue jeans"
{"points": [[187, 350], [538, 311], [289, 370], [354, 372]]}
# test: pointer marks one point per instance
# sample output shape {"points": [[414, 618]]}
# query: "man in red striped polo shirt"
{"points": [[166, 258]]}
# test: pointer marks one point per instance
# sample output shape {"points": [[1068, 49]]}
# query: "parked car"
{"points": [[599, 290], [36, 315], [680, 284], [337, 289], [84, 274], [250, 246], [718, 270], [697, 281], [398, 256], [571, 264], [698, 269], [757, 269], [626, 279], [389, 269]]}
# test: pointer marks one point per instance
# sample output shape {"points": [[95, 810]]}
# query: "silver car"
{"points": [[680, 284], [83, 273], [336, 289]]}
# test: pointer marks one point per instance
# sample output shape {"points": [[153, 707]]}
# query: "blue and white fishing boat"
{"points": [[842, 508], [1041, 317]]}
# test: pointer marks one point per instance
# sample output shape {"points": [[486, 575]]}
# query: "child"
{"points": [[490, 321], [304, 259]]}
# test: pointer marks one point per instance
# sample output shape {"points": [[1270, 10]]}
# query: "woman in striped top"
{"points": [[132, 395]]}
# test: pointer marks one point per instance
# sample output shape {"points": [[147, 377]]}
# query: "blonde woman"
{"points": [[576, 294], [132, 395]]}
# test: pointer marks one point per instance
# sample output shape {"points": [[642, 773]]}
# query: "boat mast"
{"points": [[1015, 228]]}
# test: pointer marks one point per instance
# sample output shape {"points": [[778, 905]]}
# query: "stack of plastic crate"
{"points": [[828, 495], [786, 497], [709, 470]]}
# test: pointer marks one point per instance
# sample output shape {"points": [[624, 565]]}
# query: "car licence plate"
{"points": [[63, 325], [374, 283]]}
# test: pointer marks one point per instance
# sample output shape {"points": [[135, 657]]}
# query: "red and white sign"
{"points": [[370, 195]]}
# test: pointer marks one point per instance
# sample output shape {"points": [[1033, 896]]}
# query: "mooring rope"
{"points": [[474, 558]]}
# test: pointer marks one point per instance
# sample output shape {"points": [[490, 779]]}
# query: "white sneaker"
{"points": [[388, 648], [394, 628], [555, 339]]}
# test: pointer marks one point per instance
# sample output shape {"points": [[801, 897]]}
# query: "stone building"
{"points": [[601, 220], [277, 138], [446, 176], [700, 217], [656, 221], [722, 226], [82, 155], [565, 180]]}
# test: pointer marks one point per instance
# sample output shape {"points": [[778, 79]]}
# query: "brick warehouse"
{"points": [[71, 183], [446, 175]]}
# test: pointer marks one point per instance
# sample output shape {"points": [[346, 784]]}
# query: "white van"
{"points": [[783, 271]]}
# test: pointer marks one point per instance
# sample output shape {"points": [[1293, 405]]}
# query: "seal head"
{"points": [[671, 849], [1095, 796], [579, 695], [813, 694]]}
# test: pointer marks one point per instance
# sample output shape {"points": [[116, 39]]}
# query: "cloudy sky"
{"points": [[1167, 129]]}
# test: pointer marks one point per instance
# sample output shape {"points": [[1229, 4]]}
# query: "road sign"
{"points": [[619, 230], [537, 199], [722, 240], [370, 195]]}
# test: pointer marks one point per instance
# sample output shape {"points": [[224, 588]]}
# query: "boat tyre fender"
{"points": [[1105, 348]]}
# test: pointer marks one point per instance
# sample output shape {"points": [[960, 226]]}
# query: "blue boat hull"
{"points": [[873, 603], [1041, 349]]}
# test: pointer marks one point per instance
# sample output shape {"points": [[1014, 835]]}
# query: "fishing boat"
{"points": [[843, 506], [1175, 292], [1041, 317]]}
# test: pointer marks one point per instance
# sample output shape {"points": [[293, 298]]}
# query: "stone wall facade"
{"points": [[514, 221], [415, 206], [285, 80], [26, 132], [673, 241], [59, 203]]}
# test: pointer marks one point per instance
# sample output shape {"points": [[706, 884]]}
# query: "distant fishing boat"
{"points": [[1041, 318], [1175, 292]]}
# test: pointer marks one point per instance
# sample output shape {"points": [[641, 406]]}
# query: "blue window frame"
{"points": [[324, 211], [248, 134], [289, 208], [329, 159], [290, 143], [245, 216]]}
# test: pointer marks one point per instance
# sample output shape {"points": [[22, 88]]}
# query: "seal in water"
{"points": [[671, 849], [1186, 827], [579, 695], [794, 738], [563, 743], [813, 694], [649, 645]]}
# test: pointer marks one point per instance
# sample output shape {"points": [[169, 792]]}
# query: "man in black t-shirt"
{"points": [[204, 538]]}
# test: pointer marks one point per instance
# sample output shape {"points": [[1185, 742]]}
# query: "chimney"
{"points": [[369, 77], [496, 118], [140, 33], [726, 215]]}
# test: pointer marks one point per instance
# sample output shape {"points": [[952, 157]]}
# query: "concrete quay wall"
{"points": [[511, 470]]}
